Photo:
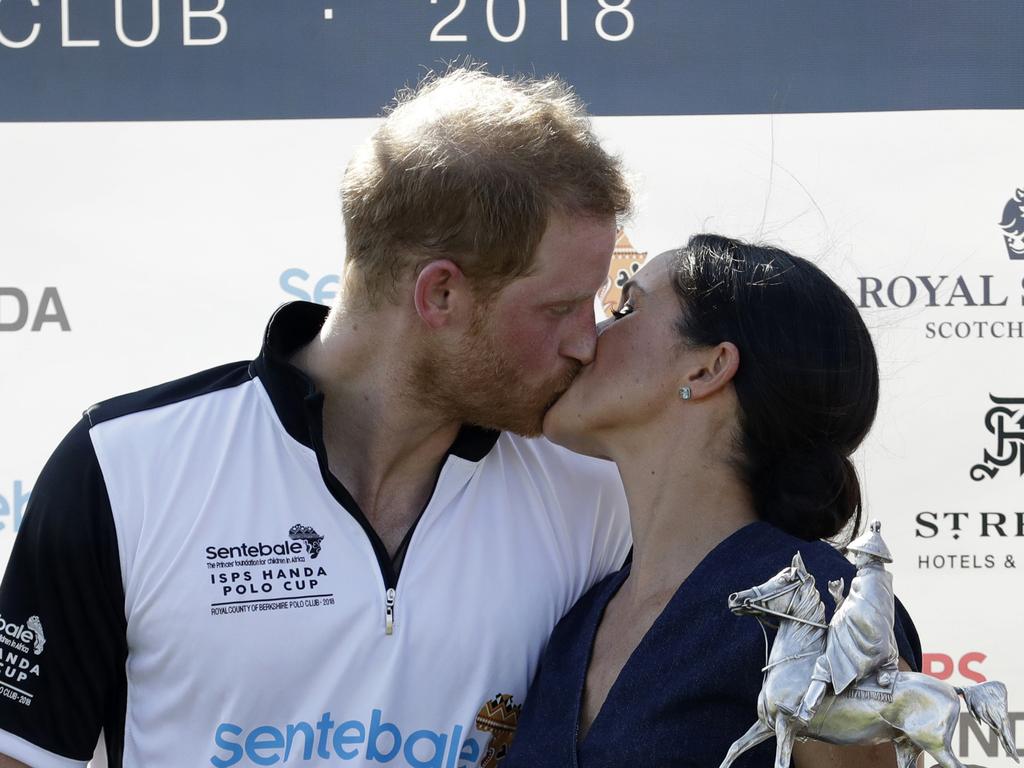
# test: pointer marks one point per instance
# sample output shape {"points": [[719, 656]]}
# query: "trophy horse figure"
{"points": [[838, 682]]}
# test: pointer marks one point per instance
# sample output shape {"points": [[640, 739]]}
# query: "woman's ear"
{"points": [[718, 367], [440, 293]]}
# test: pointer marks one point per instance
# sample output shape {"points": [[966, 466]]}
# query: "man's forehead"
{"points": [[572, 245], [557, 285]]}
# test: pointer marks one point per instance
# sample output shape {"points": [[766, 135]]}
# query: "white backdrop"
{"points": [[170, 243]]}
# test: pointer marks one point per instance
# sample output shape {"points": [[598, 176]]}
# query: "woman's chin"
{"points": [[565, 425]]}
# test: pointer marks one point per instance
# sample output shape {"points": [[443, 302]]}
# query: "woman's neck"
{"points": [[682, 504]]}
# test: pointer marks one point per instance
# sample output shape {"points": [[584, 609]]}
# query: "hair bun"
{"points": [[810, 494]]}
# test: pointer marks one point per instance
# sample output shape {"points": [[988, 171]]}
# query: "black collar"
{"points": [[299, 404]]}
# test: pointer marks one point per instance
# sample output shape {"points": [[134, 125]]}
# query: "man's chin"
{"points": [[525, 422], [528, 422]]}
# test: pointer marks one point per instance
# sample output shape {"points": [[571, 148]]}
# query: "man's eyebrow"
{"points": [[578, 298]]}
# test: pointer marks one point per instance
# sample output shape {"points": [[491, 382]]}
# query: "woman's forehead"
{"points": [[654, 272]]}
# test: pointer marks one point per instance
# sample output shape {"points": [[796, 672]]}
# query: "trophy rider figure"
{"points": [[860, 636]]}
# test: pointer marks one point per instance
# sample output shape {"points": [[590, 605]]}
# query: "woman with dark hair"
{"points": [[730, 388]]}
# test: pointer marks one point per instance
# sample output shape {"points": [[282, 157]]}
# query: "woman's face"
{"points": [[637, 368]]}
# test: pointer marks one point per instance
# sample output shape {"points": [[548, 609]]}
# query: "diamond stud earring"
{"points": [[686, 393]]}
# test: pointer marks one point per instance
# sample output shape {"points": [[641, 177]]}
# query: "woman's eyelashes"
{"points": [[625, 309]]}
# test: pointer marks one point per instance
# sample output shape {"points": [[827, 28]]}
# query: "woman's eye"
{"points": [[622, 311]]}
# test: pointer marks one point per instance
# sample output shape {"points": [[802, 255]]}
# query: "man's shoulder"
{"points": [[171, 392]]}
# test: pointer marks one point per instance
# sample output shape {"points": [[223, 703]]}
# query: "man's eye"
{"points": [[625, 309], [561, 310]]}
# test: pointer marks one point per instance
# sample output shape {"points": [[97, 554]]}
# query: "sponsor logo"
{"points": [[945, 292], [941, 666], [1012, 224], [375, 740], [299, 284], [29, 634], [18, 310], [940, 293], [259, 549], [20, 644], [300, 532], [296, 534], [996, 527], [261, 576], [1005, 422], [13, 505], [975, 741], [984, 524]]}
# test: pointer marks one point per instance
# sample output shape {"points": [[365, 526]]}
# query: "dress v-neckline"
{"points": [[614, 585]]}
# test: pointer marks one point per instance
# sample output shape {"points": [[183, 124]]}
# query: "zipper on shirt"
{"points": [[388, 571], [389, 611]]}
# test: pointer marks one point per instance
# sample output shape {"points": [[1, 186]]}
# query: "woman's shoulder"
{"points": [[761, 550]]}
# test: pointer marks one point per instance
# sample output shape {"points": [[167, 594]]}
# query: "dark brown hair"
{"points": [[807, 382], [468, 166]]}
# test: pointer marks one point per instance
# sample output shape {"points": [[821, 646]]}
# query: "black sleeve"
{"points": [[62, 625]]}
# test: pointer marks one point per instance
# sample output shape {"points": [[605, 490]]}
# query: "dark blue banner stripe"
{"points": [[242, 59]]}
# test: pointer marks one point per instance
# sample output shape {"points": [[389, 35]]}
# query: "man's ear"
{"points": [[440, 293], [719, 366]]}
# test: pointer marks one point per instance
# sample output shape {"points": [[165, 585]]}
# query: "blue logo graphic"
{"points": [[377, 741], [295, 282], [13, 505]]}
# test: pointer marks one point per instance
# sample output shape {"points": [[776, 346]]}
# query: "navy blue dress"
{"points": [[690, 688]]}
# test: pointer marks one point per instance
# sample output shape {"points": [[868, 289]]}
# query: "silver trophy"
{"points": [[839, 683]]}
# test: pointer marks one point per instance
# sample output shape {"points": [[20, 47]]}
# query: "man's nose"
{"points": [[582, 340]]}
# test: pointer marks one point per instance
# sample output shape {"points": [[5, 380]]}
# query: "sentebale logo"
{"points": [[325, 740], [29, 633]]}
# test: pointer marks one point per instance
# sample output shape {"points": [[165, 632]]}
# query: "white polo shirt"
{"points": [[191, 579]]}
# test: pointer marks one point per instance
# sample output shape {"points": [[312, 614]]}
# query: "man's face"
{"points": [[531, 338]]}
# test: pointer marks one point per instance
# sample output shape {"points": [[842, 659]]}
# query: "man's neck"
{"points": [[381, 444]]}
